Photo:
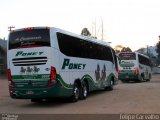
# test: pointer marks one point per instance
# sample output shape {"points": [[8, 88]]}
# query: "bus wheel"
{"points": [[35, 100], [76, 93], [142, 77], [84, 91], [110, 88], [149, 78]]}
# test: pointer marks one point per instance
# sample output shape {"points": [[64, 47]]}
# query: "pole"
{"points": [[10, 28], [95, 28], [102, 27], [147, 51]]}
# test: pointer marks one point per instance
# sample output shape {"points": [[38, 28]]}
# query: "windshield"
{"points": [[127, 56], [29, 38]]}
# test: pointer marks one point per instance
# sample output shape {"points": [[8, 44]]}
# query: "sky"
{"points": [[131, 23]]}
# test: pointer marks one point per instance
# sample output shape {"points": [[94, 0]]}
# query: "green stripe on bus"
{"points": [[92, 84], [27, 77]]}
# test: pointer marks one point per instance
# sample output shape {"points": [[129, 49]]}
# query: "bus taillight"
{"points": [[29, 28], [47, 27], [52, 80], [53, 73], [9, 75], [136, 71], [11, 84], [118, 71]]}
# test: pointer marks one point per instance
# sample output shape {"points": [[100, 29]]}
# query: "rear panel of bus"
{"points": [[31, 64], [128, 66]]}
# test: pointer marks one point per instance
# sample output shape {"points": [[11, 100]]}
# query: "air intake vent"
{"points": [[29, 61]]}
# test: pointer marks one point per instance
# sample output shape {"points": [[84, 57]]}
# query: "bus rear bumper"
{"points": [[48, 92], [129, 77]]}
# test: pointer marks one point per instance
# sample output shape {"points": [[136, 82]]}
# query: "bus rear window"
{"points": [[127, 56], [29, 38]]}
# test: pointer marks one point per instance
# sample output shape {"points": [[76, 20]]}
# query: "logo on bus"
{"points": [[126, 62], [100, 74], [29, 70], [21, 53], [69, 65]]}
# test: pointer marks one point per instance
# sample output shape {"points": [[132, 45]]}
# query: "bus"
{"points": [[48, 62], [134, 66]]}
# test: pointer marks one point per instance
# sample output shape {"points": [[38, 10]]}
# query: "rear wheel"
{"points": [[84, 90], [110, 88], [76, 93], [142, 77], [149, 78]]}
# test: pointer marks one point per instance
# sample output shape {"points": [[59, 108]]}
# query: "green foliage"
{"points": [[126, 49], [85, 32], [117, 51], [118, 48]]}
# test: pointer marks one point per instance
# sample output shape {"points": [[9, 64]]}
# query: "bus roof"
{"points": [[135, 53], [87, 38], [83, 37]]}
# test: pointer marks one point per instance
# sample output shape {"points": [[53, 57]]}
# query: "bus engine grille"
{"points": [[29, 61]]}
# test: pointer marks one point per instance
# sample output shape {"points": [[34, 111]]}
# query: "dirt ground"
{"points": [[140, 98]]}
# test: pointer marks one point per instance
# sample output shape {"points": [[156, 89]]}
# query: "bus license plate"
{"points": [[127, 76], [29, 92]]}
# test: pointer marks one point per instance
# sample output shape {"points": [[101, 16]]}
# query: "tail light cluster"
{"points": [[118, 71], [53, 76], [9, 75], [29, 28], [136, 71], [11, 83]]}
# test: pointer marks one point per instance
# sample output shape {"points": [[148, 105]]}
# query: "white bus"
{"points": [[47, 62], [134, 66]]}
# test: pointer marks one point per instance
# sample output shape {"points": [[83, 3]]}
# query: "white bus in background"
{"points": [[134, 66], [47, 62]]}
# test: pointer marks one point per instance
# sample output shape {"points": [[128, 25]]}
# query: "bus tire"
{"points": [[76, 93], [84, 90], [110, 88], [149, 78], [142, 77]]}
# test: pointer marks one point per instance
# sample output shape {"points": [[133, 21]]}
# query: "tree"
{"points": [[126, 49], [158, 51], [142, 50], [118, 48], [85, 32]]}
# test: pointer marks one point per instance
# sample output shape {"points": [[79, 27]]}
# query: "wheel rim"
{"points": [[85, 91], [76, 93], [111, 82], [142, 78]]}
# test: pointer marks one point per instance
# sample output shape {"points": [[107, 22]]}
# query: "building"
{"points": [[3, 56]]}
